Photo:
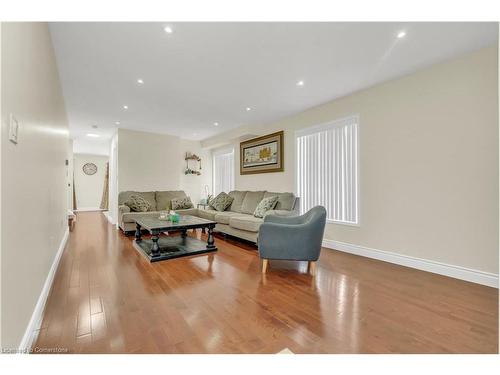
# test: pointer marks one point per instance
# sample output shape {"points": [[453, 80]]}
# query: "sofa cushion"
{"points": [[181, 203], [164, 198], [285, 200], [238, 197], [223, 217], [266, 204], [250, 202], [147, 195], [129, 217], [136, 203], [207, 214], [246, 222], [124, 196], [221, 202], [188, 211]]}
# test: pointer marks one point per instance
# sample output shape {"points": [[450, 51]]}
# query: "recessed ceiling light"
{"points": [[401, 34], [117, 122], [140, 81], [125, 107], [300, 83], [248, 109], [216, 124], [92, 135], [168, 29]]}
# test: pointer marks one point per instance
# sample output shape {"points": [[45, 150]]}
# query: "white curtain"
{"points": [[223, 171], [327, 169]]}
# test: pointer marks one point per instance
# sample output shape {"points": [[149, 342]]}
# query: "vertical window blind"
{"points": [[327, 169], [223, 171]]}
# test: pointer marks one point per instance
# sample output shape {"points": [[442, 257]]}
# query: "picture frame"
{"points": [[262, 155]]}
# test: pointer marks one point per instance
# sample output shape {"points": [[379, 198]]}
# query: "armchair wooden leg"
{"points": [[264, 265], [312, 268]]}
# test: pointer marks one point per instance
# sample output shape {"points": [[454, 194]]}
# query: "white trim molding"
{"points": [[108, 216], [88, 209], [457, 272], [37, 316]]}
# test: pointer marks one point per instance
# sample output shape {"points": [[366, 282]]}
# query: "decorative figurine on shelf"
{"points": [[194, 169]]}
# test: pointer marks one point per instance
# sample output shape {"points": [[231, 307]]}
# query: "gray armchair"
{"points": [[292, 238]]}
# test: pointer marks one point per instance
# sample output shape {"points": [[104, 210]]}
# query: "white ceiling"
{"points": [[203, 73]]}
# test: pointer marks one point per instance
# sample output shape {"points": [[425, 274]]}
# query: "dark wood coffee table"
{"points": [[161, 248]]}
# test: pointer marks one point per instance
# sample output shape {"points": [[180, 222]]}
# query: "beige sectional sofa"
{"points": [[237, 220], [159, 201]]}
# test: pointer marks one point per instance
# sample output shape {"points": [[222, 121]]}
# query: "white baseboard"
{"points": [[457, 272], [108, 216], [88, 209], [36, 318]]}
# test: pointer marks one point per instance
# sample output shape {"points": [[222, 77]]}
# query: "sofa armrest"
{"points": [[122, 209], [279, 213]]}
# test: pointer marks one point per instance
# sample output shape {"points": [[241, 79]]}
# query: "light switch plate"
{"points": [[13, 129]]}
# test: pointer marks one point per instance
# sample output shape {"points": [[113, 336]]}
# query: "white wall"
{"points": [[1, 140], [148, 161], [193, 185], [428, 162], [70, 175], [113, 180], [33, 186], [89, 187], [91, 146]]}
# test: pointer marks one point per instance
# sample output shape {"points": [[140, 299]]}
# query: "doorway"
{"points": [[90, 182]]}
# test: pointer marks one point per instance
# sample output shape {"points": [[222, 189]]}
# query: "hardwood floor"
{"points": [[107, 298]]}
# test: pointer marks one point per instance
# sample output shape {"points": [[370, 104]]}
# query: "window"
{"points": [[223, 171], [327, 169]]}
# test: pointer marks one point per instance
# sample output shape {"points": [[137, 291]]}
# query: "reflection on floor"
{"points": [[107, 298]]}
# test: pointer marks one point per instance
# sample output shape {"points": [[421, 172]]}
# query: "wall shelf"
{"points": [[193, 164]]}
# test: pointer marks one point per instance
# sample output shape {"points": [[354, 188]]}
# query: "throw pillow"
{"points": [[181, 203], [137, 204], [265, 205], [221, 202]]}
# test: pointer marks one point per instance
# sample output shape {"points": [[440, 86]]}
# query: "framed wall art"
{"points": [[262, 155]]}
